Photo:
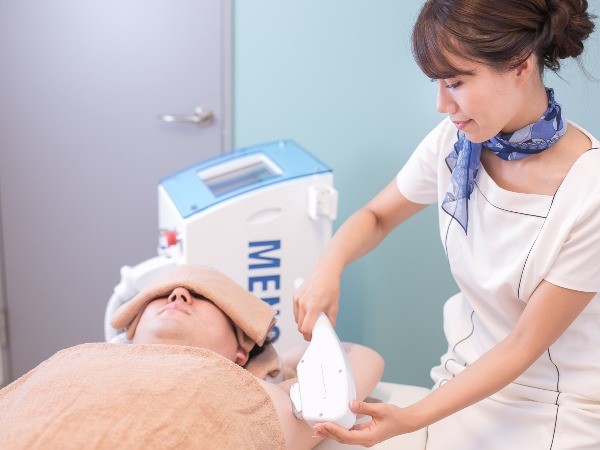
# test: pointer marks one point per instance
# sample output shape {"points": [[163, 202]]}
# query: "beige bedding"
{"points": [[107, 396]]}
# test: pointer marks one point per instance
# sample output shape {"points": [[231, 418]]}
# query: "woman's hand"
{"points": [[386, 422], [320, 293], [358, 235]]}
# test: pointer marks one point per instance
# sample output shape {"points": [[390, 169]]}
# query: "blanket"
{"points": [[107, 396]]}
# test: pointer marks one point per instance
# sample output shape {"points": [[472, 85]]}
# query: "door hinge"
{"points": [[3, 329]]}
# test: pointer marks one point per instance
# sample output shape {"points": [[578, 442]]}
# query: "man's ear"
{"points": [[241, 356]]}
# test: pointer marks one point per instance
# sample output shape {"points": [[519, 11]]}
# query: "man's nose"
{"points": [[182, 295]]}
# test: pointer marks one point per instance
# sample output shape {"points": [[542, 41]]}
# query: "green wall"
{"points": [[338, 77]]}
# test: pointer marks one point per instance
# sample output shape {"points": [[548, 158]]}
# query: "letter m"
{"points": [[267, 246]]}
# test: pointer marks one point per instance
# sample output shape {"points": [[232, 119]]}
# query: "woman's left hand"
{"points": [[386, 421]]}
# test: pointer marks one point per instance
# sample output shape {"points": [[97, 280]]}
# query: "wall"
{"points": [[339, 78]]}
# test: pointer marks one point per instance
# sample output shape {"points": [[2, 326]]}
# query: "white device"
{"points": [[261, 215], [325, 384]]}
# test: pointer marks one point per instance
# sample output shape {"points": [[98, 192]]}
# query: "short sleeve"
{"points": [[577, 265], [418, 179]]}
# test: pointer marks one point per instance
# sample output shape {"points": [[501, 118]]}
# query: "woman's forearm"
{"points": [[356, 237], [366, 228], [362, 232], [549, 312]]}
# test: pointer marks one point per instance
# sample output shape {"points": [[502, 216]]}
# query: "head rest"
{"points": [[251, 317]]}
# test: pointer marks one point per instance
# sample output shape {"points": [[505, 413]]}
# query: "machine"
{"points": [[261, 215]]}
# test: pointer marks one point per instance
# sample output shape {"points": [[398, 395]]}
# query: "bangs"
{"points": [[434, 47]]}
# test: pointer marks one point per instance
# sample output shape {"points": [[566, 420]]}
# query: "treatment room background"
{"points": [[338, 77]]}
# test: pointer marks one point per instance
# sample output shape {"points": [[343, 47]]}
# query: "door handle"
{"points": [[201, 117]]}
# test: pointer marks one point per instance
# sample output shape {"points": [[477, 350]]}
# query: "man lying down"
{"points": [[188, 380]]}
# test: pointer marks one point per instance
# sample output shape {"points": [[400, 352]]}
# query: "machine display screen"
{"points": [[239, 174]]}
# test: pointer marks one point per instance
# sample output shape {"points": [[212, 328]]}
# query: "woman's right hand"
{"points": [[387, 421], [319, 293]]}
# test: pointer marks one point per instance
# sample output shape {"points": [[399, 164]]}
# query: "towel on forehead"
{"points": [[251, 317]]}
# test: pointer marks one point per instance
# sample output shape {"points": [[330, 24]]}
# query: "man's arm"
{"points": [[367, 366]]}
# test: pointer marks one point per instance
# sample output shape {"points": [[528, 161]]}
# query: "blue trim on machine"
{"points": [[191, 194]]}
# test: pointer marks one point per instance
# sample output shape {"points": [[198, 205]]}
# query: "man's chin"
{"points": [[168, 334], [162, 341]]}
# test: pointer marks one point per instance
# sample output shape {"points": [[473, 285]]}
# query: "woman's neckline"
{"points": [[595, 145]]}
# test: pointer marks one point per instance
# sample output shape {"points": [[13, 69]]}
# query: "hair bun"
{"points": [[568, 26]]}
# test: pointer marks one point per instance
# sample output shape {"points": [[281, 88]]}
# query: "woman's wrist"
{"points": [[414, 418], [331, 266]]}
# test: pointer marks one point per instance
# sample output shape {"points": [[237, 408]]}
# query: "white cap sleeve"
{"points": [[577, 265]]}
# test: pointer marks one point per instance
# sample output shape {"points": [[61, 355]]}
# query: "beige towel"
{"points": [[252, 317], [268, 364], [265, 364], [108, 396]]}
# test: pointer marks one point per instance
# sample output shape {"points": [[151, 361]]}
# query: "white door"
{"points": [[82, 150], [3, 334]]}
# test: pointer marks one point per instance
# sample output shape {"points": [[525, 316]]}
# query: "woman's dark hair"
{"points": [[498, 33]]}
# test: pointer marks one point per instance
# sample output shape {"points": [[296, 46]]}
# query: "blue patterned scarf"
{"points": [[463, 161]]}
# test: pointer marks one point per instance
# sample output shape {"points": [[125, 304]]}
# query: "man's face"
{"points": [[184, 318]]}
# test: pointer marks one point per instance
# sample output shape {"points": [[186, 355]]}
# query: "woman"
{"points": [[519, 213]]}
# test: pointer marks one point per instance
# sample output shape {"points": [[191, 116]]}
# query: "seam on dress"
{"points": [[527, 258], [557, 396], [469, 335], [548, 214], [454, 350], [535, 387], [507, 210], [446, 240], [535, 240], [452, 359]]}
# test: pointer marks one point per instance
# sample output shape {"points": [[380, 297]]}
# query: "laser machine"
{"points": [[261, 215]]}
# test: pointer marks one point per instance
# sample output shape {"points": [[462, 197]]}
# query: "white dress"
{"points": [[515, 241]]}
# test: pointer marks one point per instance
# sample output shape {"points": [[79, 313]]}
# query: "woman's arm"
{"points": [[361, 233], [367, 366], [549, 312]]}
